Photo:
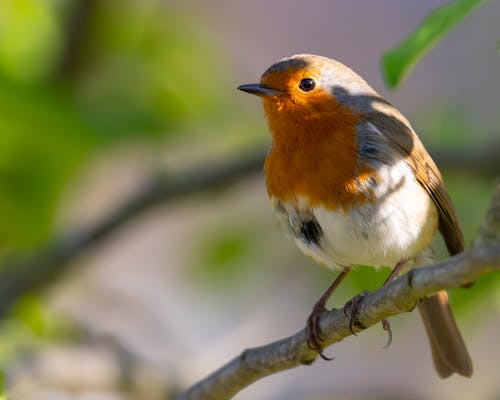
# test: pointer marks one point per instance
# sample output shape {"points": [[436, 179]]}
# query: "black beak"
{"points": [[259, 90]]}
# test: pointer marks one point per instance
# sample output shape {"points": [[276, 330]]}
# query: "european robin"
{"points": [[353, 184]]}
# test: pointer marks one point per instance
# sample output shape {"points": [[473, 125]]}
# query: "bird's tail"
{"points": [[448, 348]]}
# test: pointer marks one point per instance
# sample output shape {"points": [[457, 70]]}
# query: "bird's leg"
{"points": [[385, 323], [351, 308], [395, 272], [312, 327]]}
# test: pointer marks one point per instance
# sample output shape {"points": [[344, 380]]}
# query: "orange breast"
{"points": [[315, 154]]}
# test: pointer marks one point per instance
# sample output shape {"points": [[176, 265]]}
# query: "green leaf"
{"points": [[3, 396], [43, 142], [398, 62], [30, 37]]}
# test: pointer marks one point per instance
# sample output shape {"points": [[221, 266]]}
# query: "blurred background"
{"points": [[138, 250]]}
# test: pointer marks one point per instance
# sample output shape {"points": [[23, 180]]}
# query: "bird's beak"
{"points": [[259, 90]]}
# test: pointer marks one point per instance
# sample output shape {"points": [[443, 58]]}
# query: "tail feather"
{"points": [[448, 348]]}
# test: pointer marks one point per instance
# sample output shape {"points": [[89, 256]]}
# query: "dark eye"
{"points": [[307, 84]]}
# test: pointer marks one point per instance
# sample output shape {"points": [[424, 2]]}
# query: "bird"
{"points": [[352, 184]]}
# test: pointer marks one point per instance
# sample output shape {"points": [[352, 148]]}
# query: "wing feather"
{"points": [[399, 136]]}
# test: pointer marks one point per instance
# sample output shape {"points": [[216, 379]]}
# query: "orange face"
{"points": [[301, 93]]}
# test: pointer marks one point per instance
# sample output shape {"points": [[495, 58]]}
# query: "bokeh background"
{"points": [[120, 280]]}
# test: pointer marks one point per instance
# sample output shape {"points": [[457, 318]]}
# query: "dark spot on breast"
{"points": [[373, 182], [311, 232]]}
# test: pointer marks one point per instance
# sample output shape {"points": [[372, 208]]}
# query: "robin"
{"points": [[352, 183]]}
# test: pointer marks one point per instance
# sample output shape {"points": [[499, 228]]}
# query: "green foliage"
{"points": [[31, 325], [3, 395], [227, 250], [147, 69], [224, 256], [398, 62], [139, 74], [30, 37], [43, 139], [30, 312]]}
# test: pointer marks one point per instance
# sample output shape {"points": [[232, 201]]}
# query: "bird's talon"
{"points": [[387, 327], [351, 309], [314, 336], [359, 324], [351, 326], [312, 329], [322, 355]]}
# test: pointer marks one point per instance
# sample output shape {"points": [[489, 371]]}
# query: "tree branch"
{"points": [[399, 296], [76, 30], [482, 159], [33, 272]]}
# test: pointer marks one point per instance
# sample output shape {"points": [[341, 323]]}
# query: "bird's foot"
{"points": [[351, 309], [313, 331]]}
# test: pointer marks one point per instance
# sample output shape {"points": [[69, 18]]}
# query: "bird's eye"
{"points": [[307, 84]]}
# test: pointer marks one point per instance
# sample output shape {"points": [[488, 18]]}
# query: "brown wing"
{"points": [[399, 135], [449, 226], [394, 132]]}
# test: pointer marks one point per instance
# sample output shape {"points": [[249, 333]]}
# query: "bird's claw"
{"points": [[351, 309], [387, 327], [313, 332]]}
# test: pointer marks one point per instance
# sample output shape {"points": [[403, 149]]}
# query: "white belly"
{"points": [[398, 226]]}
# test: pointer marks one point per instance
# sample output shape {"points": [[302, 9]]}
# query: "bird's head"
{"points": [[308, 86]]}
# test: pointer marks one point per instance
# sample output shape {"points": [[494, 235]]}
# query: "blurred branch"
{"points": [[77, 27], [20, 276], [481, 159], [397, 297], [36, 271]]}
